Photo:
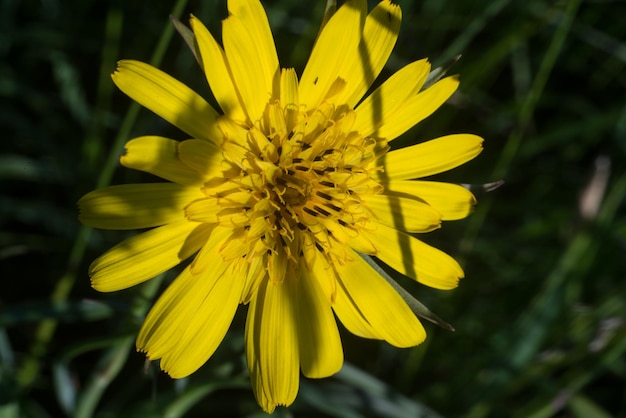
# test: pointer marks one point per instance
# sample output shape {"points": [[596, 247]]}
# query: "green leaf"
{"points": [[10, 410], [78, 310], [329, 11], [194, 395], [583, 407], [17, 167], [438, 73], [64, 387], [188, 37], [355, 393]]}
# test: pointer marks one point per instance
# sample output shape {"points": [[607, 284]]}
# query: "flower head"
{"points": [[276, 195]]}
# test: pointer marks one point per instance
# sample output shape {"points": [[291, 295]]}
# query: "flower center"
{"points": [[291, 190], [297, 182]]}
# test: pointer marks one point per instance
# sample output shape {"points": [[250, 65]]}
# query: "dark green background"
{"points": [[540, 317]]}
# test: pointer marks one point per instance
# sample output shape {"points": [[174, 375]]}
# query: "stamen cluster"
{"points": [[298, 180]]}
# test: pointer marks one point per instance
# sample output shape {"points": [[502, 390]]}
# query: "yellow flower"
{"points": [[278, 194]]}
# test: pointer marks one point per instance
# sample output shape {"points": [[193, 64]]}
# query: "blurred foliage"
{"points": [[540, 318]]}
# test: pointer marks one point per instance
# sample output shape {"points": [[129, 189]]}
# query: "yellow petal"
{"points": [[146, 255], [289, 97], [340, 36], [343, 303], [451, 200], [159, 156], [217, 72], [234, 132], [378, 303], [387, 99], [430, 157], [202, 157], [316, 262], [251, 54], [235, 142], [255, 273], [402, 213], [135, 206], [350, 315], [272, 344], [347, 235], [414, 109], [252, 358], [166, 321], [277, 264], [237, 246], [362, 65], [206, 327], [205, 260], [361, 244], [168, 98], [202, 210], [161, 330], [289, 87], [321, 354], [414, 259]]}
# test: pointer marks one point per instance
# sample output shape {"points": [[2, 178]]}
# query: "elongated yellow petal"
{"points": [[234, 133], [289, 88], [164, 324], [402, 213], [415, 259], [259, 388], [168, 98], [159, 156], [289, 98], [361, 66], [430, 157], [202, 210], [321, 354], [251, 54], [340, 36], [350, 315], [136, 206], [146, 255], [415, 109], [379, 304], [254, 275], [362, 244], [451, 200], [207, 326], [205, 259], [166, 321], [390, 96], [272, 343], [218, 73], [315, 261], [201, 156]]}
